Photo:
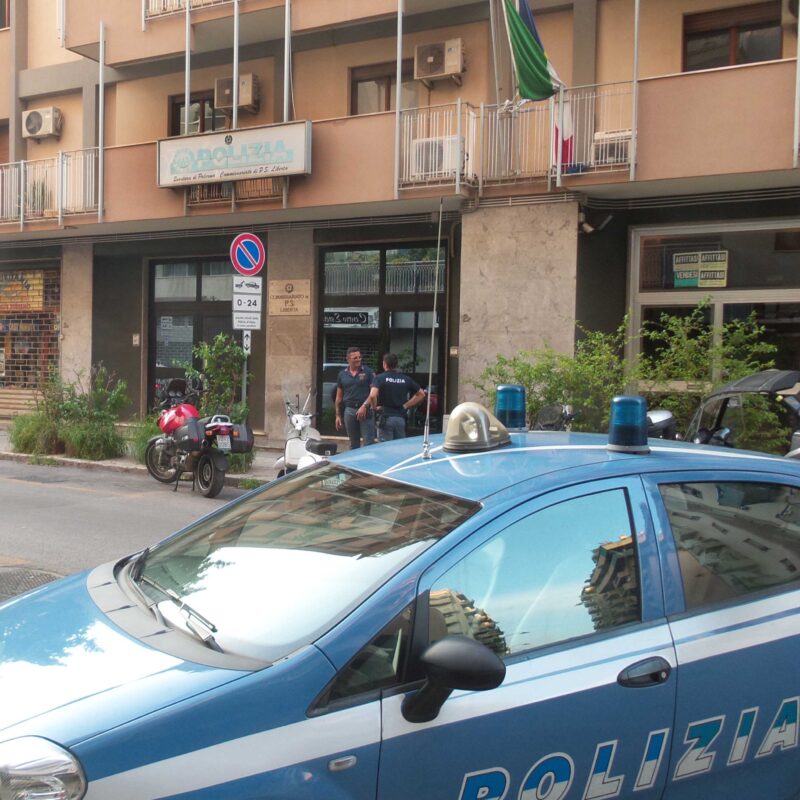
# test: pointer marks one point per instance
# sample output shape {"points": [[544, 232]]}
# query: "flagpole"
{"points": [[514, 86], [235, 114], [398, 99], [635, 97]]}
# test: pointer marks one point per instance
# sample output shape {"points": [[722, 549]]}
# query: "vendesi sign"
{"points": [[700, 270], [269, 151]]}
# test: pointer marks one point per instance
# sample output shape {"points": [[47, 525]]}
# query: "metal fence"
{"points": [[583, 129], [413, 277], [236, 191], [160, 8], [49, 187]]}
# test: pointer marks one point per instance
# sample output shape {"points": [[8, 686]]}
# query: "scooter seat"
{"points": [[320, 447]]}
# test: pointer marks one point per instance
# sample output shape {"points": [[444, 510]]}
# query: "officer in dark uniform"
{"points": [[393, 393], [354, 411]]}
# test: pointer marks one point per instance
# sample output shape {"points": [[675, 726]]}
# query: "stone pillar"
{"points": [[291, 340], [518, 280], [76, 311]]}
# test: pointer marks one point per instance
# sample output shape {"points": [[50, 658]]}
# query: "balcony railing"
{"points": [[163, 8], [234, 191], [458, 143], [50, 187]]}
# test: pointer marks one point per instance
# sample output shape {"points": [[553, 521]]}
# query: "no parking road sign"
{"points": [[248, 254]]}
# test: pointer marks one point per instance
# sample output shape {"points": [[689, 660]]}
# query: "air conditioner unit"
{"points": [[40, 122], [439, 60], [611, 147], [437, 158], [789, 13], [248, 93]]}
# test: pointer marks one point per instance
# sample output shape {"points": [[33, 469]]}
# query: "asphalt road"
{"points": [[64, 519]]}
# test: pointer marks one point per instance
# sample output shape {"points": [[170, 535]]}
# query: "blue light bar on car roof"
{"points": [[627, 430]]}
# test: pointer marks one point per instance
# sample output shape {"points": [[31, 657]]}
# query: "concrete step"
{"points": [[15, 401]]}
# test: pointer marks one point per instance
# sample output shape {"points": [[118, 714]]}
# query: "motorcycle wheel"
{"points": [[159, 463], [210, 479]]}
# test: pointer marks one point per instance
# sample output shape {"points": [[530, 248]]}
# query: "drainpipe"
{"points": [[287, 79], [398, 99], [101, 124], [235, 115], [635, 98], [187, 82], [796, 143]]}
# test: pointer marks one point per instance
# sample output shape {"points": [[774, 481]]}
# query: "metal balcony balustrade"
{"points": [[461, 144], [234, 191], [50, 187], [359, 277], [163, 8]]}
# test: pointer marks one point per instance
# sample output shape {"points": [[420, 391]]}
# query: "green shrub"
{"points": [[138, 434], [92, 440], [35, 433]]}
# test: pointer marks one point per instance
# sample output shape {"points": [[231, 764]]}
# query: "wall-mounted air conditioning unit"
{"points": [[438, 60], [248, 93], [40, 122], [611, 147], [437, 158]]}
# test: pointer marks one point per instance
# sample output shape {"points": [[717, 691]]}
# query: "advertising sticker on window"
{"points": [[21, 291], [700, 270]]}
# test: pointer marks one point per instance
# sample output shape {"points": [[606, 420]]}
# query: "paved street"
{"points": [[57, 520]]}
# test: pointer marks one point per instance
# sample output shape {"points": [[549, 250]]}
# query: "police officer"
{"points": [[393, 393], [353, 408]]}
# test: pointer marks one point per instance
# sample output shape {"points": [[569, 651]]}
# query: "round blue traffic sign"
{"points": [[248, 254]]}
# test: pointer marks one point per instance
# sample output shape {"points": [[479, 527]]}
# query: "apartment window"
{"points": [[203, 117], [5, 17], [731, 36], [374, 88]]}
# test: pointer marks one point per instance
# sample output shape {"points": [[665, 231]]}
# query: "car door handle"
{"points": [[649, 672]]}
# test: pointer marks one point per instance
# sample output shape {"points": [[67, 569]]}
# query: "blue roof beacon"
{"points": [[627, 429]]}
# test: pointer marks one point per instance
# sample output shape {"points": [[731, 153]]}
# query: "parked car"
{"points": [[501, 615], [758, 412]]}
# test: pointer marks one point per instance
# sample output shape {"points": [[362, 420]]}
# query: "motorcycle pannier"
{"points": [[242, 438], [188, 437]]}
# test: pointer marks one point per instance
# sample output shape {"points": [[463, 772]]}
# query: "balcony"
{"points": [[235, 191], [49, 188]]}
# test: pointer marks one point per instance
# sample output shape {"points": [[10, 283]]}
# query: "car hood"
{"points": [[68, 672]]}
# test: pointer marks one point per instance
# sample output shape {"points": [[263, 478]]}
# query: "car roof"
{"points": [[548, 457], [768, 380]]}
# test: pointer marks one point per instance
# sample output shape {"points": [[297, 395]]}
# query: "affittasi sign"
{"points": [[269, 151]]}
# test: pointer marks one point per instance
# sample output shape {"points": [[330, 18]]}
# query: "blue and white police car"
{"points": [[505, 615]]}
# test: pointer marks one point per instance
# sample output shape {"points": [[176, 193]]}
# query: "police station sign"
{"points": [[269, 151]]}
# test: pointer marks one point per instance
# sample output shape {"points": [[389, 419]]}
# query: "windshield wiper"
{"points": [[201, 627]]}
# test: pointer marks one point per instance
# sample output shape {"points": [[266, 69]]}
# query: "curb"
{"points": [[233, 481]]}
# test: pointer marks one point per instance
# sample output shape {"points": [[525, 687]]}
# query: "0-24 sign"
{"points": [[247, 302]]}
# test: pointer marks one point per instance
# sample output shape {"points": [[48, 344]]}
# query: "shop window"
{"points": [[374, 88], [30, 305], [203, 117], [725, 37]]}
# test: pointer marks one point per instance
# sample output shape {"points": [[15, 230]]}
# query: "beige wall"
{"points": [[76, 311], [309, 14], [43, 44], [322, 78], [142, 106], [518, 279], [661, 36], [291, 342], [555, 31], [71, 138]]}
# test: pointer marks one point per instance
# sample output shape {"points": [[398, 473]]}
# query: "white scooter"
{"points": [[304, 445]]}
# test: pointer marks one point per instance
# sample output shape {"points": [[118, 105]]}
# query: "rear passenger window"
{"points": [[733, 538], [566, 571]]}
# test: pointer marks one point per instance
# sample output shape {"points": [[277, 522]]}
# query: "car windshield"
{"points": [[275, 571]]}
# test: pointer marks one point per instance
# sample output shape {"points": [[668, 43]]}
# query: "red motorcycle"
{"points": [[191, 443]]}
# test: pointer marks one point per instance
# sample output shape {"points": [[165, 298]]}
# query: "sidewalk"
{"points": [[260, 470]]}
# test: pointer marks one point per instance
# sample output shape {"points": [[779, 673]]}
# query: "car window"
{"points": [[376, 666], [733, 538], [759, 422], [705, 417], [562, 572], [276, 570]]}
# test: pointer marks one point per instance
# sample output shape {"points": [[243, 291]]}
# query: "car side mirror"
{"points": [[455, 662], [722, 437]]}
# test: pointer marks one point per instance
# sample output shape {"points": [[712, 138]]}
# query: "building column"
{"points": [[19, 61], [76, 311], [518, 284], [291, 340]]}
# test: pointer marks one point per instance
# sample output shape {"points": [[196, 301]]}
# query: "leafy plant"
{"points": [[139, 434]]}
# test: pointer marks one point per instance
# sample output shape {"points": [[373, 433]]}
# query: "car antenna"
{"points": [[426, 437]]}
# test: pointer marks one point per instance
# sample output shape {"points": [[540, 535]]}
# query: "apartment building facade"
{"points": [[664, 171]]}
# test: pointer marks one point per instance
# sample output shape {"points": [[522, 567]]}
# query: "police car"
{"points": [[501, 615]]}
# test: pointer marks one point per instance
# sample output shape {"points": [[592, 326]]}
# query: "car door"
{"points": [[566, 590], [731, 569]]}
